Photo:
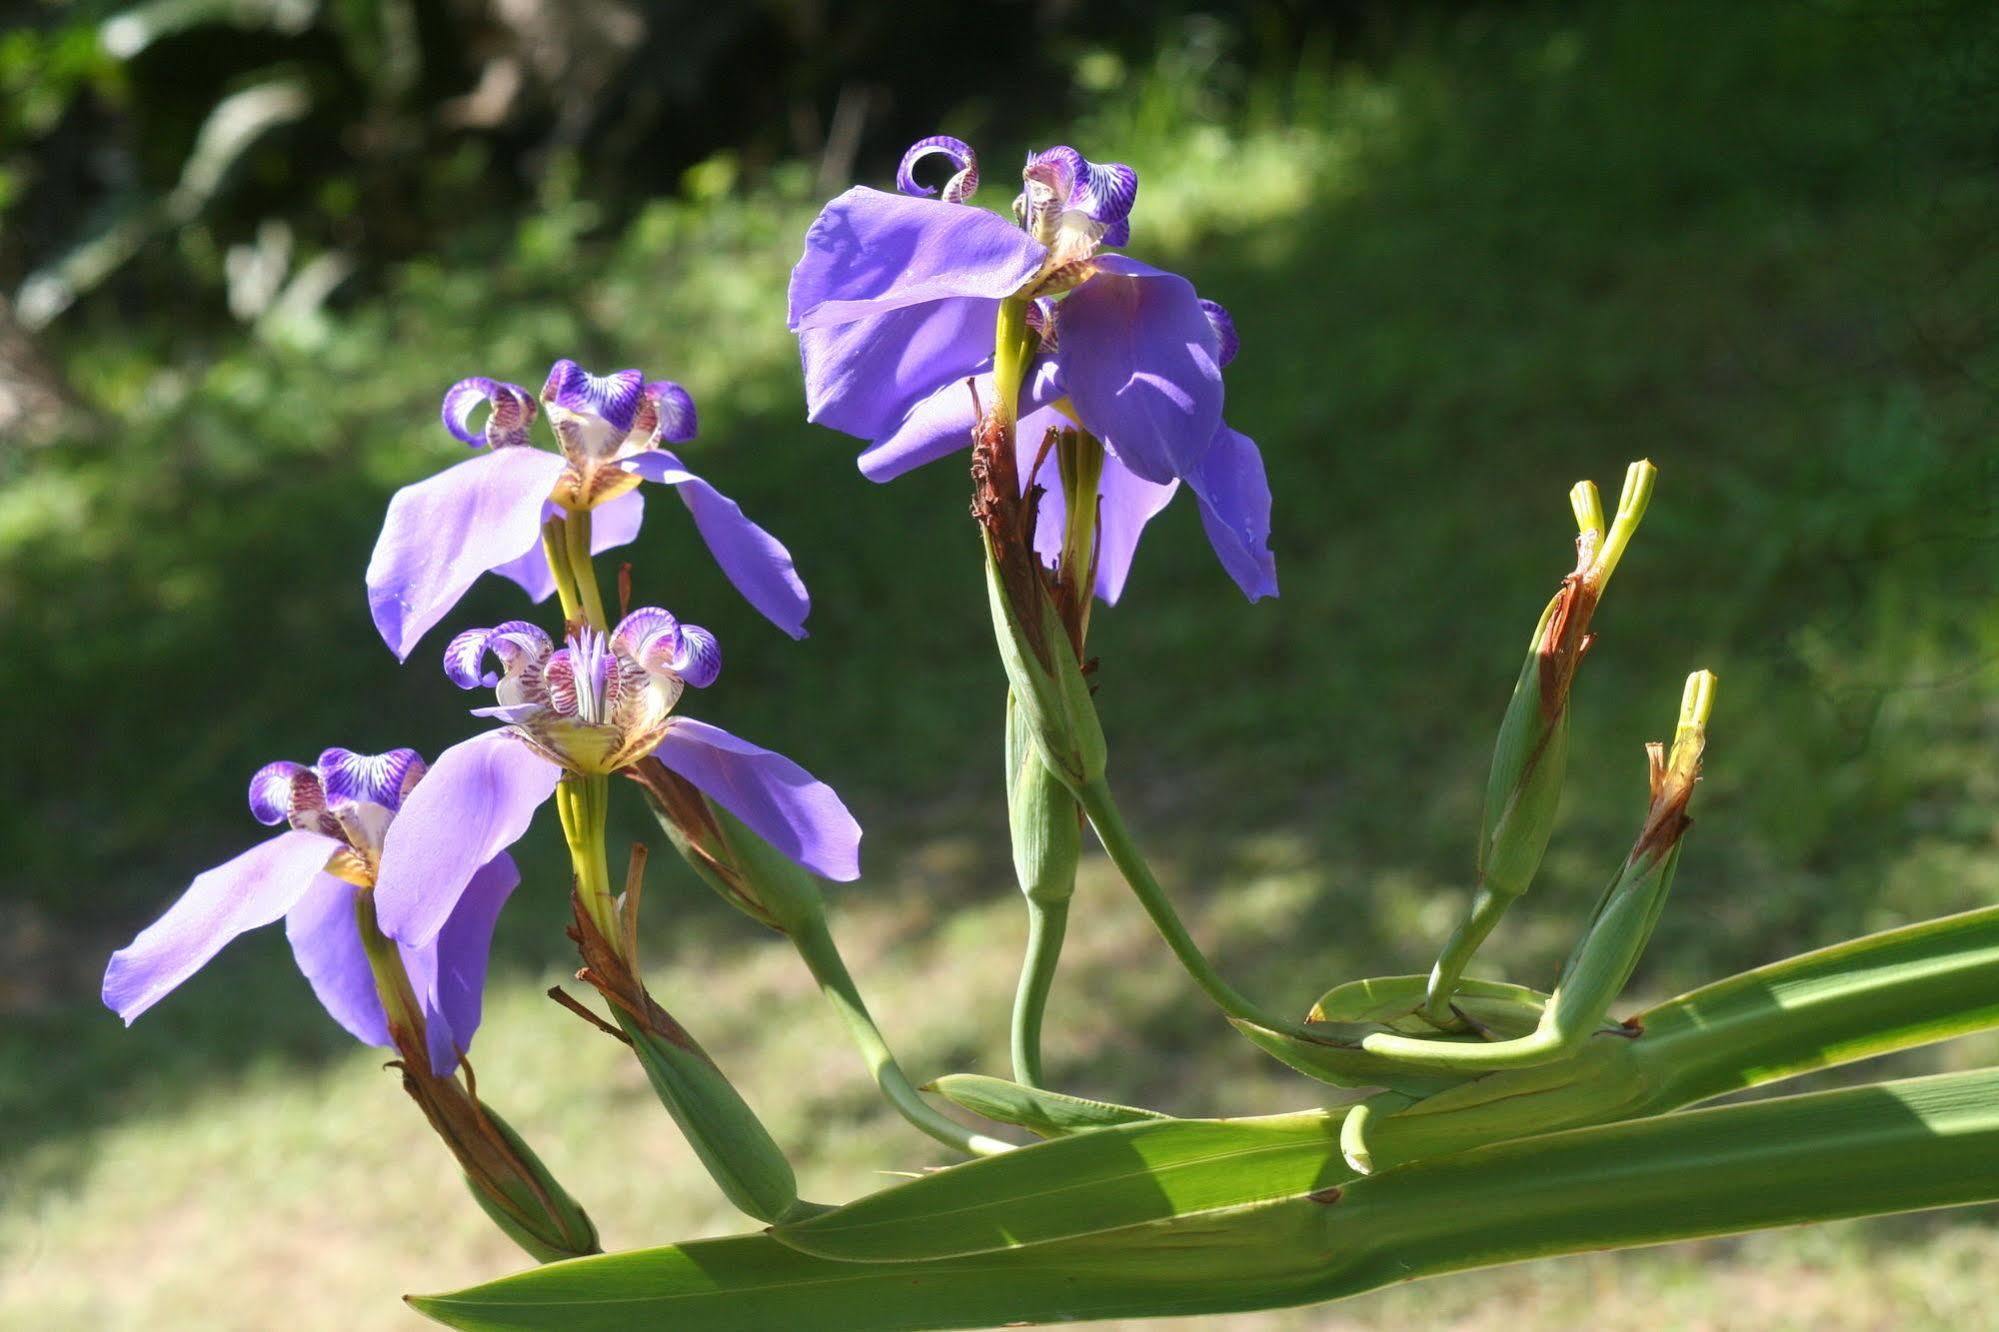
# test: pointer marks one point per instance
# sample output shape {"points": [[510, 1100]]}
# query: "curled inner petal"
{"points": [[1218, 315], [271, 790], [666, 413], [612, 398], [659, 643], [513, 410], [380, 779], [517, 644], [964, 164], [1102, 192]]}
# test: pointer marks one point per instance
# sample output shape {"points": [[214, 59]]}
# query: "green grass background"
{"points": [[1756, 243]]}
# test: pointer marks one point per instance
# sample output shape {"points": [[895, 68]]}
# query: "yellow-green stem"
{"points": [[576, 532], [555, 545], [583, 804], [392, 982]]}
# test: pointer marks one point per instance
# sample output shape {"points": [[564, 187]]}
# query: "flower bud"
{"points": [[1046, 824]]}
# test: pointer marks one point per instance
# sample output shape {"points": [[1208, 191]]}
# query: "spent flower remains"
{"points": [[1087, 388]]}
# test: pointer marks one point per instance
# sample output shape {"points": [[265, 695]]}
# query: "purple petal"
{"points": [[1235, 510], [515, 643], [441, 534], [613, 398], [754, 560], [1141, 361], [450, 972], [1129, 502], [325, 936], [780, 801], [863, 378], [1118, 234], [1218, 315], [272, 788], [383, 779], [1104, 192], [253, 889], [869, 252], [613, 523], [475, 802], [513, 411], [942, 423], [964, 168]]}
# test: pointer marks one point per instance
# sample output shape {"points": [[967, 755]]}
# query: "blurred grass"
{"points": [[1518, 247]]}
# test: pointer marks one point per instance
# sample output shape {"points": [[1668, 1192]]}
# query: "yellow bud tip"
{"points": [[1698, 700], [1588, 505], [1631, 505]]}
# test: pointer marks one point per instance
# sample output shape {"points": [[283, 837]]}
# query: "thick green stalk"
{"points": [[555, 546], [583, 804], [576, 535]]}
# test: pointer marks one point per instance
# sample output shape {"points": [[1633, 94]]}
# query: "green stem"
{"points": [[576, 532], [583, 804], [1096, 800], [1487, 909], [392, 982], [814, 941], [1046, 924], [554, 545], [1013, 347]]}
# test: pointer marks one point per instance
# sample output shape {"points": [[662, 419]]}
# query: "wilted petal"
{"points": [[325, 937], [450, 972], [1235, 509], [862, 378], [780, 801], [382, 779], [613, 523], [754, 560], [475, 802], [869, 252], [1141, 361], [441, 534], [253, 889], [513, 411]]}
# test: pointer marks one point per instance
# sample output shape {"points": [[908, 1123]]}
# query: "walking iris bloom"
{"points": [[486, 514], [313, 874], [895, 301], [598, 704]]}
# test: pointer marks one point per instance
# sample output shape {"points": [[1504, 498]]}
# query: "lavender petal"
{"points": [[863, 378], [477, 800], [780, 801], [613, 523], [325, 937], [441, 534], [450, 972], [754, 560], [253, 889]]}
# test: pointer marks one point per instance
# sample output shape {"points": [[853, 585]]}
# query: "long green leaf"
{"points": [[1045, 1113], [1929, 1142], [1102, 1181]]}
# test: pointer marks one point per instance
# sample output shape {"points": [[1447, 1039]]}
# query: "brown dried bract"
{"points": [[1565, 642]]}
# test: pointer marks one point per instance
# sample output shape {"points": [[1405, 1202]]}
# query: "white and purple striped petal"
{"points": [[1235, 510], [1218, 315], [964, 162], [513, 411], [517, 644], [442, 533], [781, 802], [476, 801], [592, 414], [613, 523], [275, 787], [1103, 192], [659, 642], [253, 889], [753, 560], [1141, 361], [381, 779]]}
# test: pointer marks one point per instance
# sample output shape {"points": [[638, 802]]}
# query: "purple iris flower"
{"points": [[339, 811], [894, 304], [486, 514], [597, 704]]}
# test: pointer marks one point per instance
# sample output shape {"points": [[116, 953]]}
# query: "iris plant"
{"points": [[896, 301], [521, 512]]}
